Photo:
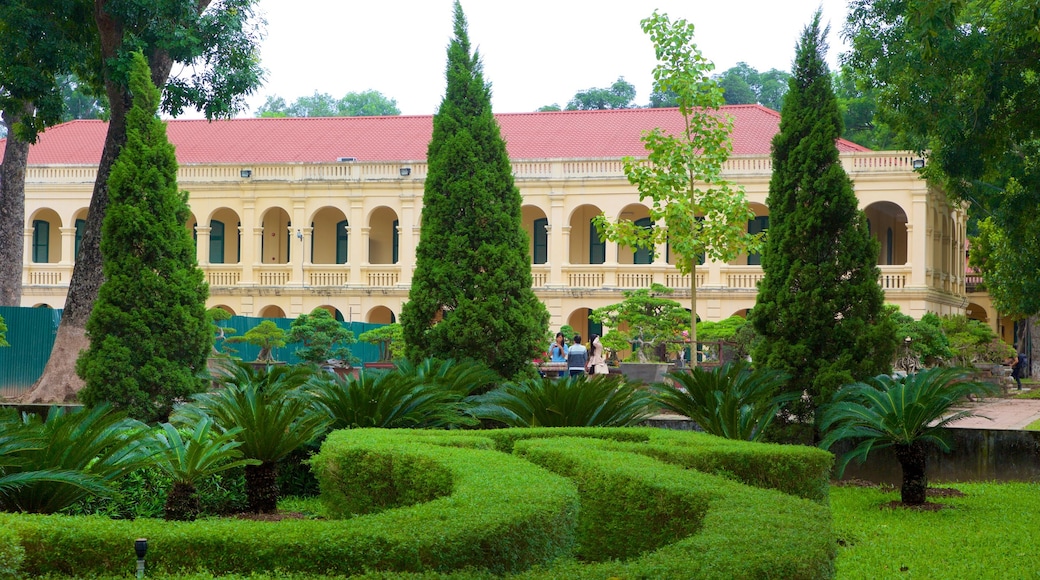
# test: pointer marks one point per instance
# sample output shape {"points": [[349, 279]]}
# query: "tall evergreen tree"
{"points": [[819, 306], [471, 295], [149, 333]]}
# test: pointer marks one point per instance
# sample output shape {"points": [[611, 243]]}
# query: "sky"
{"points": [[535, 53]]}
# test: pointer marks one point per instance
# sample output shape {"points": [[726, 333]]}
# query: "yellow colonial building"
{"points": [[293, 214]]}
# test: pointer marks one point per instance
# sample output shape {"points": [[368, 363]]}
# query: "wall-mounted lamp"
{"points": [[299, 235], [918, 163], [245, 173], [406, 171], [548, 227]]}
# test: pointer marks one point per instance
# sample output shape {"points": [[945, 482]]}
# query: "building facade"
{"points": [[293, 214]]}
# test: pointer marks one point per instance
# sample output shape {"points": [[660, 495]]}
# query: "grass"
{"points": [[988, 533]]}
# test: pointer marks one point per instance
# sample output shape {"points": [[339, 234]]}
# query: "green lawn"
{"points": [[991, 532]]}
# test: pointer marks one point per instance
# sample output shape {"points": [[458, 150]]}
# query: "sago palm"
{"points": [[730, 401], [275, 414], [51, 464], [204, 452], [600, 401], [906, 414], [387, 399]]}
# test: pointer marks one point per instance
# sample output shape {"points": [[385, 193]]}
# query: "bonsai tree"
{"points": [[390, 339], [974, 342], [266, 336], [216, 315], [646, 320], [907, 414], [324, 338]]}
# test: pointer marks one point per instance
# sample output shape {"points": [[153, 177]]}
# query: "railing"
{"points": [[535, 169], [894, 277], [743, 277], [327, 275], [382, 276], [273, 275], [49, 274], [539, 275], [222, 275]]}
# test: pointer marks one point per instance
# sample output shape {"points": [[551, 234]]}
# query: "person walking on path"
{"points": [[577, 357], [1017, 368], [597, 364]]}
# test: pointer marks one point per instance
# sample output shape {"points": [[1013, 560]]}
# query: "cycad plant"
{"points": [[731, 401], [907, 414], [581, 401], [50, 465], [204, 452], [387, 399], [275, 414]]}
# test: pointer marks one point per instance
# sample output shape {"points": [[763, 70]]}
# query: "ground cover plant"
{"points": [[989, 532]]}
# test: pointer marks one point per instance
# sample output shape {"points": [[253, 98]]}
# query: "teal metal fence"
{"points": [[31, 331]]}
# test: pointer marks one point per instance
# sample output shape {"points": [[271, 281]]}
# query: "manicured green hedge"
{"points": [[745, 532], [653, 504]]}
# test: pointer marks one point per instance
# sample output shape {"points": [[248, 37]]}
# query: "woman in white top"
{"points": [[597, 364]]}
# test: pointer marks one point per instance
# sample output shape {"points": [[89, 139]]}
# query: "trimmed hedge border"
{"points": [[481, 503]]}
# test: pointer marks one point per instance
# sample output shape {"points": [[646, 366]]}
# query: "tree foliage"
{"points": [[368, 103], [962, 81], [617, 96], [702, 213], [647, 320], [389, 338], [3, 333], [149, 332], [266, 336], [471, 295], [744, 85], [819, 309], [323, 337]]}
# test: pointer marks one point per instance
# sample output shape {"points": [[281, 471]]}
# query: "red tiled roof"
{"points": [[565, 134]]}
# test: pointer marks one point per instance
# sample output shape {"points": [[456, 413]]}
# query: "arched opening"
{"points": [[333, 311], [329, 236], [41, 305], [586, 244], [383, 237], [225, 237], [743, 313], [272, 311], [579, 321], [226, 308], [536, 224], [887, 222], [46, 237], [640, 215], [381, 315], [976, 312], [274, 244]]}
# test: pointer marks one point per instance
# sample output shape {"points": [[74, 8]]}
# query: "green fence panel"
{"points": [[31, 332]]}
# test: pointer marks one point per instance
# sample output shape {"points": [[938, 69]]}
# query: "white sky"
{"points": [[535, 52]]}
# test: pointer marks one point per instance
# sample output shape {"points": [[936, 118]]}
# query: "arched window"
{"points": [[757, 226]]}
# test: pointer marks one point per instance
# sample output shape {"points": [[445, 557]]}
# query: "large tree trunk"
{"points": [[262, 487], [913, 459], [59, 381], [12, 210]]}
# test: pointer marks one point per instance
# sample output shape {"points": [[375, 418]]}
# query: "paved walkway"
{"points": [[1007, 414]]}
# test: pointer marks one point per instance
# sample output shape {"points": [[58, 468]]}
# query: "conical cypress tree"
{"points": [[471, 295], [149, 336], [819, 309]]}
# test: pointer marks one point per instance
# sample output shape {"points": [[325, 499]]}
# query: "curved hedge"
{"points": [[653, 504]]}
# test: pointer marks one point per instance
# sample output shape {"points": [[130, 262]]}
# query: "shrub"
{"points": [[580, 401], [324, 338], [266, 336]]}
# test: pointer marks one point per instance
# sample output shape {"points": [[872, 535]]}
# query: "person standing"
{"points": [[597, 364], [1017, 368], [558, 350], [577, 357]]}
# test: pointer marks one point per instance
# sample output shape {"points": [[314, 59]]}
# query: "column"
{"points": [[250, 248], [27, 237], [559, 250], [565, 256], [68, 246], [202, 245], [917, 234], [357, 252], [406, 242], [295, 255]]}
